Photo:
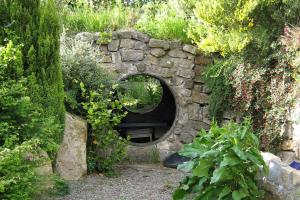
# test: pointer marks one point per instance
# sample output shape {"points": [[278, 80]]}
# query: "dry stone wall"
{"points": [[179, 65]]}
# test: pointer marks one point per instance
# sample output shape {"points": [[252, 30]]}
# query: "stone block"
{"points": [[114, 45], [175, 44], [176, 53], [195, 112], [157, 52], [116, 58], [202, 60], [132, 55], [198, 97], [182, 63], [186, 73], [166, 62], [71, 158], [189, 84], [127, 43], [151, 60], [199, 69], [124, 34], [159, 44], [190, 49], [106, 59], [140, 36], [140, 45], [141, 67]]}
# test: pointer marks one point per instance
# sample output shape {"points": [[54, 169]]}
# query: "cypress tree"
{"points": [[36, 25]]}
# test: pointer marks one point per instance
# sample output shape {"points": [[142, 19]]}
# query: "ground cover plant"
{"points": [[224, 164]]}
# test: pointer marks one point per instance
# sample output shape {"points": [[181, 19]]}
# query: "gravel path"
{"points": [[136, 182]]}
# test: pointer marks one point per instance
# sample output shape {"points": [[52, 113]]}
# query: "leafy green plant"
{"points": [[104, 113], [105, 37], [224, 163], [162, 20], [79, 64]]}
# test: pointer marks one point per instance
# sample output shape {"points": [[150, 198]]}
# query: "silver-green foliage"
{"points": [[224, 164]]}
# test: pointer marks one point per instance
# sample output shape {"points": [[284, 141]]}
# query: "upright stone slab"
{"points": [[71, 159]]}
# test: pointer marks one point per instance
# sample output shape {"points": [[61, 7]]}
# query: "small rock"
{"points": [[190, 49], [157, 52], [159, 44], [141, 67]]}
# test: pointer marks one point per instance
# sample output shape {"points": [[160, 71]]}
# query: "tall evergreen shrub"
{"points": [[36, 25]]}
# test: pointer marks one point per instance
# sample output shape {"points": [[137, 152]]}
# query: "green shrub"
{"points": [[36, 25], [18, 179], [104, 113], [224, 164], [161, 20], [79, 64]]}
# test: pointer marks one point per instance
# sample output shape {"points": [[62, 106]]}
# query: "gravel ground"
{"points": [[136, 182]]}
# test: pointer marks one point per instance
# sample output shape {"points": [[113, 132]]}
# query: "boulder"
{"points": [[71, 158]]}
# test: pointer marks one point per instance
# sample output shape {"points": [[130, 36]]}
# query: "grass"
{"points": [[98, 20], [159, 20]]}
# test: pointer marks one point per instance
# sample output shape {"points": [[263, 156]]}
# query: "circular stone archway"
{"points": [[178, 67], [149, 128]]}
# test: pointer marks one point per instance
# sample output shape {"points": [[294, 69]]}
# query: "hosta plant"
{"points": [[224, 164]]}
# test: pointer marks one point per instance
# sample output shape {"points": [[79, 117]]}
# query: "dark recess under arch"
{"points": [[156, 122]]}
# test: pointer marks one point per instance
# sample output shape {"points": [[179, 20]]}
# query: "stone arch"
{"points": [[178, 65]]}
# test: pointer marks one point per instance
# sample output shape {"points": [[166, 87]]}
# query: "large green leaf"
{"points": [[202, 168], [226, 190], [186, 166], [240, 153], [222, 173], [230, 160], [238, 194]]}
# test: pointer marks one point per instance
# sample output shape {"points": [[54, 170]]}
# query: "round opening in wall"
{"points": [[140, 93], [151, 108]]}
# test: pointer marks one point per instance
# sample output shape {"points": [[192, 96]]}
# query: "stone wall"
{"points": [[179, 65], [282, 182]]}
